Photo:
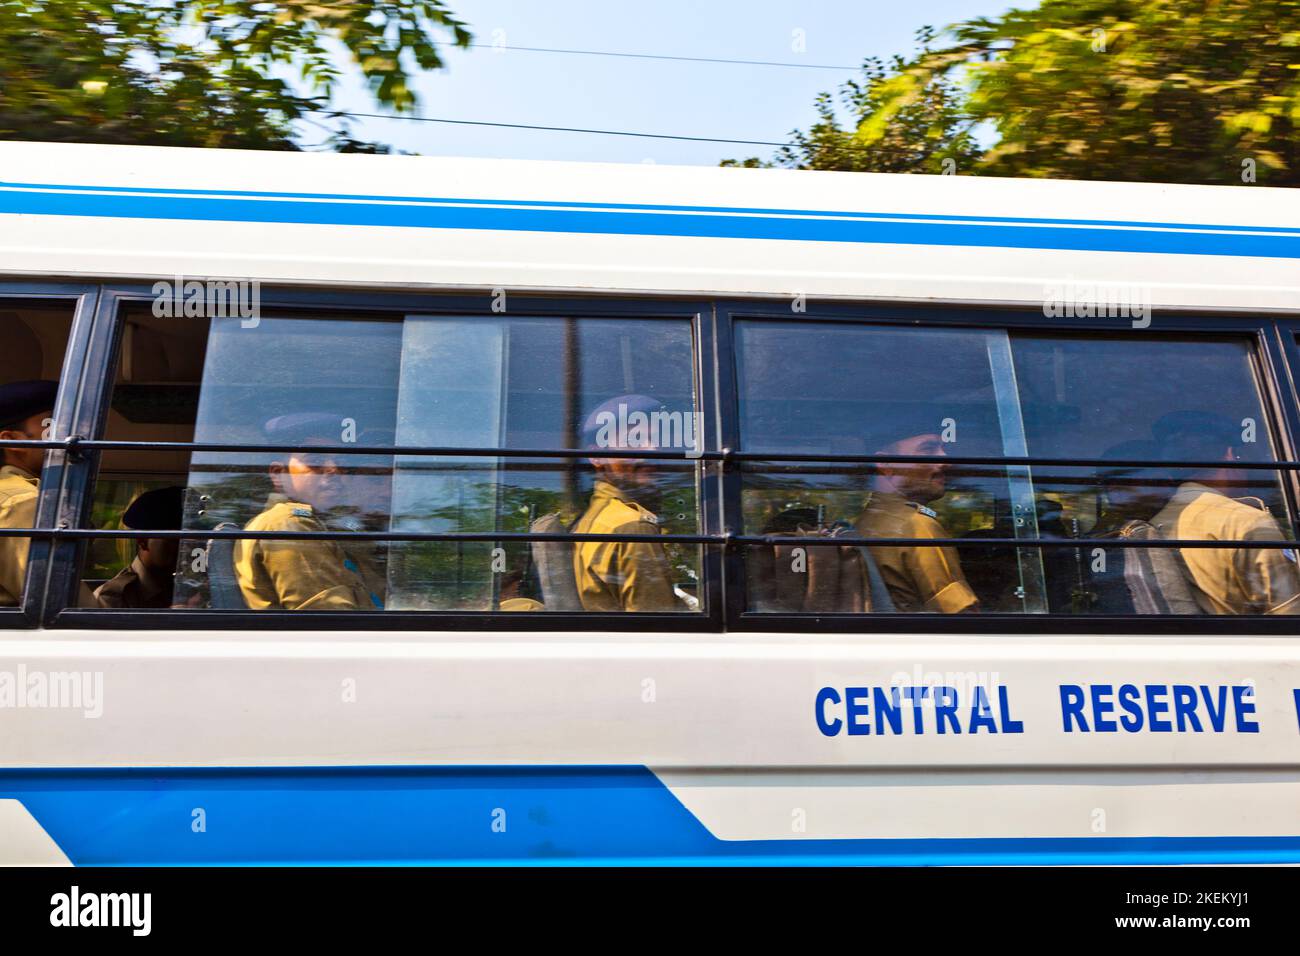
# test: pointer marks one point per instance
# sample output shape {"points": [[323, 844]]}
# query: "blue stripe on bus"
{"points": [[627, 219], [553, 815], [638, 207]]}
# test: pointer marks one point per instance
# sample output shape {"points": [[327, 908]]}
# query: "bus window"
{"points": [[1162, 400], [546, 383], [31, 363], [284, 380], [853, 389], [379, 382]]}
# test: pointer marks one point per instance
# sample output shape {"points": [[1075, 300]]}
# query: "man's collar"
{"points": [[15, 470]]}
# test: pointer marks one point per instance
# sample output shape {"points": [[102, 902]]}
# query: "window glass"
{"points": [[1191, 409], [534, 383], [848, 389], [381, 381], [1164, 400], [31, 363]]}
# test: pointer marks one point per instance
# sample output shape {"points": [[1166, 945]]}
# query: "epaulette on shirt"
{"points": [[642, 513], [1256, 503]]}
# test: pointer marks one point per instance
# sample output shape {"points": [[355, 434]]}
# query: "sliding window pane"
{"points": [[854, 389], [1163, 400]]}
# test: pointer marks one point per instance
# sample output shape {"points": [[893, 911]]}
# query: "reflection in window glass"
{"points": [[482, 382], [1161, 400], [855, 389], [534, 383]]}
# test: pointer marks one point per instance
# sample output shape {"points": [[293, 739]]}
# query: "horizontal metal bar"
{"points": [[387, 451], [724, 539], [240, 535], [753, 539], [998, 460], [726, 454]]}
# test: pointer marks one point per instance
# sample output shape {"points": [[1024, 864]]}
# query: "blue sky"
{"points": [[693, 99]]}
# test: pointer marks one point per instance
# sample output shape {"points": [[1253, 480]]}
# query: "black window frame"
{"points": [[96, 395], [1281, 405], [82, 298], [90, 369]]}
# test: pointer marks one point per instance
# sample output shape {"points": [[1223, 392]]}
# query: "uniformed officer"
{"points": [[1225, 580], [622, 575], [313, 493], [1136, 580], [919, 578], [147, 581], [25, 411]]}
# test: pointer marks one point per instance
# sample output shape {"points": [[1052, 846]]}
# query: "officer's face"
{"points": [[635, 477], [627, 473], [30, 460], [159, 554], [315, 479], [345, 483], [917, 482]]}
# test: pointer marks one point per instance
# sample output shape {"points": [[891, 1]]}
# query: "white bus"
{"points": [[1008, 679]]}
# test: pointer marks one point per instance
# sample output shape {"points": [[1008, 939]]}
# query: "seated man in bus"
{"points": [[1136, 580], [919, 578], [1224, 580], [312, 493], [621, 575], [147, 581], [25, 410]]}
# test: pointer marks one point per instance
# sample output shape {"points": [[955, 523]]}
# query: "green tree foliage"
{"points": [[205, 72], [1192, 91], [921, 135]]}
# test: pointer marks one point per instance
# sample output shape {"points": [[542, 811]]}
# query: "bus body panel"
{"points": [[413, 747], [152, 212], [281, 746]]}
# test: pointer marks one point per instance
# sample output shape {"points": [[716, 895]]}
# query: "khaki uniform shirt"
{"points": [[135, 586], [621, 575], [304, 575], [919, 578], [1231, 580], [18, 493]]}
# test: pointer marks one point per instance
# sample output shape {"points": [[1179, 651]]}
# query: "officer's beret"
{"points": [[610, 414], [21, 400], [1199, 423], [160, 509], [301, 426]]}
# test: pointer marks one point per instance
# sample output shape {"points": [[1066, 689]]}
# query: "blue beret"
{"points": [[160, 509], [301, 426], [613, 412], [20, 400]]}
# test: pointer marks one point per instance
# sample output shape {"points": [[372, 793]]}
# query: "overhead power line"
{"points": [[552, 129], [660, 56]]}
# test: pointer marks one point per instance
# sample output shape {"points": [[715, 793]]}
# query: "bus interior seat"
{"points": [[554, 563], [223, 587]]}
